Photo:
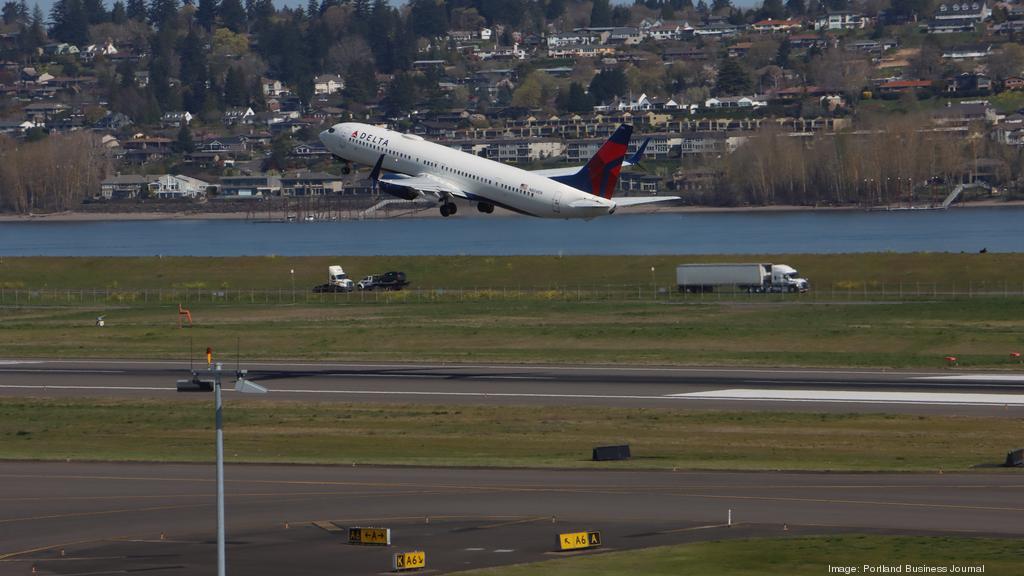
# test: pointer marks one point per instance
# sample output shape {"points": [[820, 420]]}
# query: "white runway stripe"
{"points": [[977, 378], [865, 397]]}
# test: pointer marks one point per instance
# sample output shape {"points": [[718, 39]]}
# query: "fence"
{"points": [[839, 292]]}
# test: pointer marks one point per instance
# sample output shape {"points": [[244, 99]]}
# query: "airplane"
{"points": [[421, 169]]}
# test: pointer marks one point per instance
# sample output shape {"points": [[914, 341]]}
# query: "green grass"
{"points": [[789, 556], [980, 332], [825, 271], [265, 430]]}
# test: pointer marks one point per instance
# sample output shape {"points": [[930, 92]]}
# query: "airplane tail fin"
{"points": [[601, 174]]}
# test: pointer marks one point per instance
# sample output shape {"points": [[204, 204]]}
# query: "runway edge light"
{"points": [[409, 561], [579, 540]]}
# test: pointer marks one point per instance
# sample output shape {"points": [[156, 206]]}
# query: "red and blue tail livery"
{"points": [[601, 174]]}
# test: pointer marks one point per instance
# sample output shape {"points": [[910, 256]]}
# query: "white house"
{"points": [[273, 88], [328, 84], [754, 101], [176, 118], [177, 186], [840, 21], [238, 115]]}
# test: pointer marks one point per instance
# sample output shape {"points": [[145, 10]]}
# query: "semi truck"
{"points": [[337, 281], [749, 277]]}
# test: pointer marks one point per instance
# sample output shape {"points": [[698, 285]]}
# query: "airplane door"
{"points": [[556, 200]]}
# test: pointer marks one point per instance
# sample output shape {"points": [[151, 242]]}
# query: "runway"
{"points": [[947, 392], [117, 518]]}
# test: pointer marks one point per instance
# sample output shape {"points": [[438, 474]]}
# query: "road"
{"points": [[116, 517], [947, 392]]}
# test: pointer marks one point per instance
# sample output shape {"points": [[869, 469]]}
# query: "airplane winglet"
{"points": [[634, 160], [375, 173]]}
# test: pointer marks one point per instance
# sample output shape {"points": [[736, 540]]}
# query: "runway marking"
{"points": [[858, 502], [977, 377], [57, 371], [14, 362], [859, 397], [474, 549], [503, 550], [512, 523], [678, 369], [6, 556]]}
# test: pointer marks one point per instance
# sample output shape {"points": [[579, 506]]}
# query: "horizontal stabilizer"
{"points": [[586, 203], [638, 200]]}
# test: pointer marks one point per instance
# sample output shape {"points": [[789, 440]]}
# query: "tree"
{"points": [[576, 99], [232, 15], [1007, 62], [401, 95], [193, 73], [601, 14], [796, 7], [184, 142], [732, 78], [206, 14], [360, 82], [70, 23], [608, 84], [95, 11], [773, 10], [782, 56], [621, 16], [428, 18], [163, 13], [721, 6], [11, 12], [118, 14], [236, 91], [136, 10]]}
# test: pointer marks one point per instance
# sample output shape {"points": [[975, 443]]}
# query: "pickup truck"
{"points": [[385, 281]]}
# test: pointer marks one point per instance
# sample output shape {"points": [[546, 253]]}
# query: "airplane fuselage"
{"points": [[483, 181]]}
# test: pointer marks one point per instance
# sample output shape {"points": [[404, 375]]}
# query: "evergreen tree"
{"points": [[184, 143], [732, 78], [554, 9], [236, 91], [702, 9], [608, 84], [69, 22], [601, 14], [193, 71], [95, 11], [718, 6], [773, 10], [118, 14], [163, 13], [796, 7], [360, 82], [34, 35], [401, 96], [206, 14], [232, 15], [312, 9], [427, 18], [576, 99], [782, 56], [136, 10], [11, 12]]}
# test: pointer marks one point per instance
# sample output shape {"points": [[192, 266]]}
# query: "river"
{"points": [[997, 229]]}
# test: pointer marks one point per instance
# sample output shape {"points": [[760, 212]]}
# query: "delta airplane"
{"points": [[417, 168]]}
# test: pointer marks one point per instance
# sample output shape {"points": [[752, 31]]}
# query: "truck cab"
{"points": [[786, 279], [365, 283], [336, 277]]}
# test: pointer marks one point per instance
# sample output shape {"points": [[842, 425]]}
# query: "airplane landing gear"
{"points": [[485, 207], [448, 208]]}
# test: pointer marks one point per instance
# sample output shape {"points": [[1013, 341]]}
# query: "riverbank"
{"points": [[430, 212]]}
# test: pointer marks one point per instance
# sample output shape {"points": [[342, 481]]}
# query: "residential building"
{"points": [[958, 17], [174, 119], [964, 113], [251, 186], [171, 186], [844, 20], [238, 115], [126, 186], [41, 112], [328, 84], [770, 26], [754, 101], [311, 184]]}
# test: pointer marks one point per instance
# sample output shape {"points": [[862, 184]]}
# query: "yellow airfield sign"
{"points": [[579, 540], [410, 560], [370, 536]]}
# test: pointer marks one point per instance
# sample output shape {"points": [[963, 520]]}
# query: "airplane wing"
{"points": [[425, 183], [638, 200]]}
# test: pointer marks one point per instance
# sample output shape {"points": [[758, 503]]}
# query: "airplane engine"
{"points": [[399, 191]]}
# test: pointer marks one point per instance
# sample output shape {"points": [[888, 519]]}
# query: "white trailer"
{"points": [[749, 277]]}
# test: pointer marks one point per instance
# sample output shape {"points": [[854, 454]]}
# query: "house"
{"points": [[970, 52], [311, 184], [716, 29], [1013, 83], [238, 115], [624, 35], [313, 150], [41, 112], [902, 86], [958, 17], [572, 38], [685, 52], [969, 82], [175, 119], [251, 186], [272, 88], [93, 50], [843, 20], [60, 49], [739, 49], [669, 31], [125, 187], [178, 186], [328, 84], [640, 184], [731, 102], [15, 127], [770, 26], [870, 46], [142, 149], [964, 113], [580, 51], [113, 121]]}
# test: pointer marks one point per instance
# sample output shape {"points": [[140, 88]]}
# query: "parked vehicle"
{"points": [[746, 277], [385, 281], [337, 281]]}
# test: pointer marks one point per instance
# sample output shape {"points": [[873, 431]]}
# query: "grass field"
{"points": [[825, 271], [789, 557], [980, 332], [881, 310], [507, 436]]}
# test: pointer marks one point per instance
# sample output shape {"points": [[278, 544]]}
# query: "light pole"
{"points": [[654, 286], [292, 272], [212, 382]]}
